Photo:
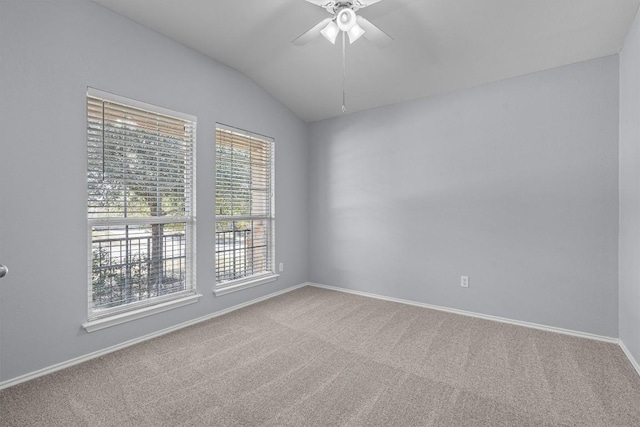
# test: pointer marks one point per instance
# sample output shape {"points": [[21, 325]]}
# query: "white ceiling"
{"points": [[439, 46]]}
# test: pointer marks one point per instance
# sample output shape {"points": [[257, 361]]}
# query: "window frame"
{"points": [[100, 318], [235, 285]]}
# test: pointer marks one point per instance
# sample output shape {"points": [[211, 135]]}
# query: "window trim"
{"points": [[139, 309], [244, 283], [96, 93], [117, 319], [266, 277]]}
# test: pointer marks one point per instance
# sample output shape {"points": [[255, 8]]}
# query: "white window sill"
{"points": [[107, 322], [244, 284]]}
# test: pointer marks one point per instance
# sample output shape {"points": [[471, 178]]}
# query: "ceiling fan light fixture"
{"points": [[346, 19], [330, 32], [355, 33]]}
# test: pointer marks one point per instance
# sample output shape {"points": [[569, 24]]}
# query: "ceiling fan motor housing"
{"points": [[334, 7]]}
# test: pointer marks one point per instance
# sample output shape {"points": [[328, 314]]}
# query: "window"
{"points": [[140, 207], [244, 209]]}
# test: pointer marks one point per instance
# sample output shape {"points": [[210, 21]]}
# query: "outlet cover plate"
{"points": [[464, 281]]}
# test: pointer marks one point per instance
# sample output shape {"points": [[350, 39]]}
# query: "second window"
{"points": [[244, 208]]}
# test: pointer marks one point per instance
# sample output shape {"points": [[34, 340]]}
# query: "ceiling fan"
{"points": [[345, 19]]}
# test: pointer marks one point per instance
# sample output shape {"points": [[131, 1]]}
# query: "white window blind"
{"points": [[140, 204], [244, 206]]}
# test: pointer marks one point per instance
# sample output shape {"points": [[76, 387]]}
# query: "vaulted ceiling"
{"points": [[439, 45]]}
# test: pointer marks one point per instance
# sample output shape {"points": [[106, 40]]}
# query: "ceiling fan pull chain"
{"points": [[344, 73]]}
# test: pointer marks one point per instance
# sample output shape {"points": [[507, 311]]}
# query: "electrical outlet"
{"points": [[464, 281], [281, 267]]}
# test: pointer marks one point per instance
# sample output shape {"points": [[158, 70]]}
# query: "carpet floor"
{"points": [[314, 357]]}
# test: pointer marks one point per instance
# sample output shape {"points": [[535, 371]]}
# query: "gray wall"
{"points": [[629, 245], [49, 53], [514, 184]]}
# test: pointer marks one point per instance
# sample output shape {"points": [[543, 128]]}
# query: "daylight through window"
{"points": [[140, 204], [244, 206]]}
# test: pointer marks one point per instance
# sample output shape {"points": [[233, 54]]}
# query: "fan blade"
{"points": [[365, 3], [312, 33], [323, 3], [374, 34]]}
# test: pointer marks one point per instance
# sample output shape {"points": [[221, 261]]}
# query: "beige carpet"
{"points": [[314, 357]]}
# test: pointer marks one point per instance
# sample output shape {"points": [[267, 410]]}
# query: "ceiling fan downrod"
{"points": [[344, 73]]}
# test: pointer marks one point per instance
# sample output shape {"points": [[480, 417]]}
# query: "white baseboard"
{"points": [[95, 354], [472, 314], [627, 353]]}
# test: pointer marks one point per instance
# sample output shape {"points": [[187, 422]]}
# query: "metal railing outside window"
{"points": [[124, 270]]}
